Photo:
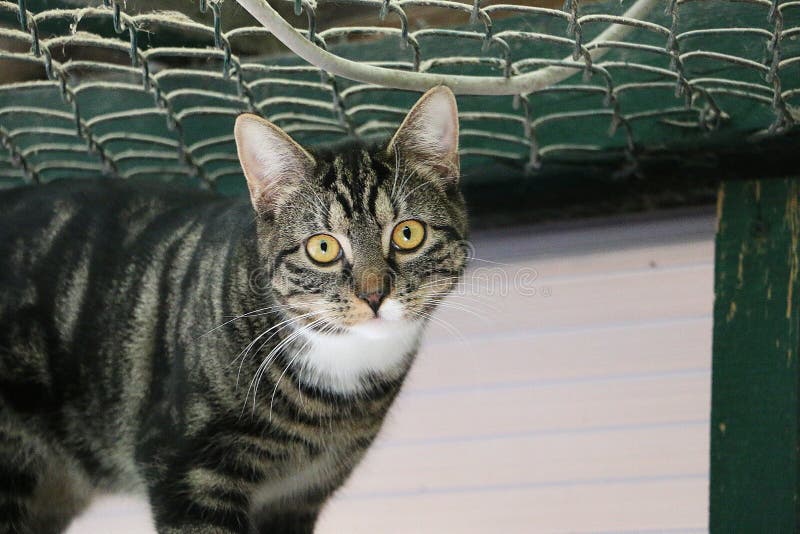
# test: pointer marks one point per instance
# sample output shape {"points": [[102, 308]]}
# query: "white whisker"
{"points": [[260, 311], [474, 258], [273, 354], [451, 306], [414, 189], [279, 326], [449, 327], [296, 355]]}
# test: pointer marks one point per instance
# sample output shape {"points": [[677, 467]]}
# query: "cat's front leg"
{"points": [[184, 517], [288, 521], [195, 528], [201, 501]]}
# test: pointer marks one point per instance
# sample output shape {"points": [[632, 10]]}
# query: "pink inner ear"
{"points": [[429, 135], [448, 136], [271, 160], [430, 129], [438, 124]]}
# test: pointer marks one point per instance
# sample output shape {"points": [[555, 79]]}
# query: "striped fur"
{"points": [[121, 369]]}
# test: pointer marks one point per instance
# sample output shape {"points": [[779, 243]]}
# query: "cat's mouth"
{"points": [[372, 327], [389, 316]]}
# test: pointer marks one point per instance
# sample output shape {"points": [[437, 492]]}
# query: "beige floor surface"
{"points": [[564, 389]]}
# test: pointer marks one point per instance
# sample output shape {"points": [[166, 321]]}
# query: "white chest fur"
{"points": [[378, 347]]}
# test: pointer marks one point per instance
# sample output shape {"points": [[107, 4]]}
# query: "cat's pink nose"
{"points": [[373, 299]]}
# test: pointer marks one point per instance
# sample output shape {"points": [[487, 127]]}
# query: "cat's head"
{"points": [[360, 246]]}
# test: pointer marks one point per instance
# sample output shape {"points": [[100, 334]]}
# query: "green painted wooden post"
{"points": [[755, 434]]}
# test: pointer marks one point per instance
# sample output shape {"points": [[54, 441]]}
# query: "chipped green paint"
{"points": [[791, 207], [755, 420]]}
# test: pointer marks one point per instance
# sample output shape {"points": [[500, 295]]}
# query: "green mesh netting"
{"points": [[122, 90]]}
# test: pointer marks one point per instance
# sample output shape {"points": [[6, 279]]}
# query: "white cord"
{"points": [[421, 81]]}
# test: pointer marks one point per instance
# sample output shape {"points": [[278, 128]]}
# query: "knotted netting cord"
{"points": [[420, 81], [212, 159]]}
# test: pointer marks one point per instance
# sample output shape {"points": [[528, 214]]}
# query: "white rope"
{"points": [[421, 81]]}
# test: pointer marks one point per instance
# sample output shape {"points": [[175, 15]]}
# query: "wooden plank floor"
{"points": [[564, 389]]}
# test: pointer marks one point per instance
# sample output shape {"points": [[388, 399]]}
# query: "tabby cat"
{"points": [[232, 360]]}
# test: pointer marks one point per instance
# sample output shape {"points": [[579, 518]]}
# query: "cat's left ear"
{"points": [[428, 138], [273, 162]]}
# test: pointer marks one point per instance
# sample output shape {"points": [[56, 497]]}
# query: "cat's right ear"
{"points": [[273, 163], [428, 137]]}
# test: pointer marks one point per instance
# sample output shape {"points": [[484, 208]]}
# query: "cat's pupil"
{"points": [[323, 246], [407, 232]]}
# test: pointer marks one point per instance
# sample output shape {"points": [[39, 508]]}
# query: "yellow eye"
{"points": [[323, 248], [408, 235]]}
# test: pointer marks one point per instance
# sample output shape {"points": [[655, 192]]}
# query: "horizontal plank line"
{"points": [[664, 269], [455, 490], [559, 382], [601, 275], [581, 329], [549, 432], [681, 530]]}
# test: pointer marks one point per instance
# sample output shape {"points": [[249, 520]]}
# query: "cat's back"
{"points": [[42, 227], [73, 206], [69, 238]]}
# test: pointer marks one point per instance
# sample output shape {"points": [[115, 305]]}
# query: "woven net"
{"points": [[119, 89]]}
